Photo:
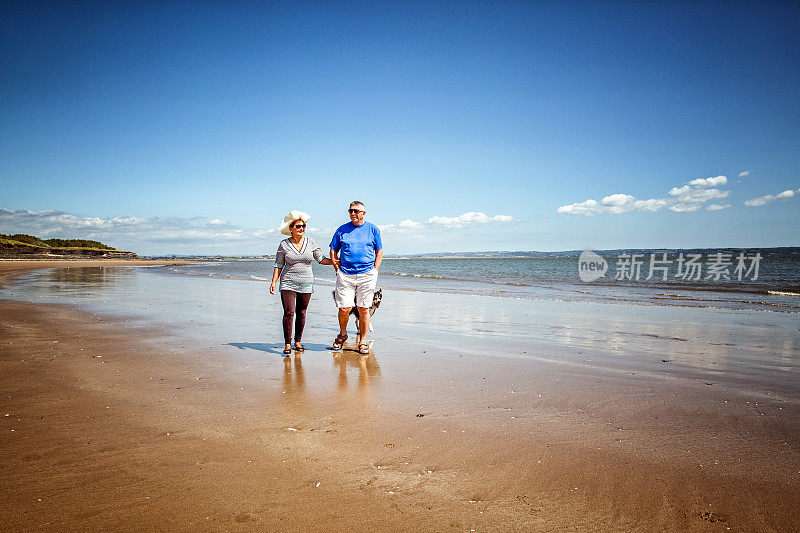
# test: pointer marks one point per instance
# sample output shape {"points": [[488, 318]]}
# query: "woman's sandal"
{"points": [[299, 349], [287, 351], [363, 349], [339, 342]]}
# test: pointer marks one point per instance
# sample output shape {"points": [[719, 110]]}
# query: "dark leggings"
{"points": [[294, 303]]}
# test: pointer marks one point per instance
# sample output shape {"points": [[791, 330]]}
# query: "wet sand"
{"points": [[114, 425]]}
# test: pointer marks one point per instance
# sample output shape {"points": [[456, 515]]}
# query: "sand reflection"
{"points": [[80, 281], [294, 380], [366, 365], [351, 377]]}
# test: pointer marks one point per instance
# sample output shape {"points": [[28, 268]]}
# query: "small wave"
{"points": [[465, 280], [484, 291], [408, 275], [723, 301], [260, 279], [783, 293]]}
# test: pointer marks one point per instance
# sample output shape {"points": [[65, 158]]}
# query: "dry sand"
{"points": [[109, 426]]}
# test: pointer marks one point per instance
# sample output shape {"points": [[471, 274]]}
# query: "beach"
{"points": [[138, 401]]}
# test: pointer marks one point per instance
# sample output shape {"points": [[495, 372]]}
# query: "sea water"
{"points": [[533, 308], [775, 286]]}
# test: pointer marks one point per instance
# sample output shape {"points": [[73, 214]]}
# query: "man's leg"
{"points": [[344, 316], [365, 289], [344, 296], [363, 323]]}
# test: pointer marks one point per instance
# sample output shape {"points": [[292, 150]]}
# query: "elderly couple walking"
{"points": [[356, 254]]}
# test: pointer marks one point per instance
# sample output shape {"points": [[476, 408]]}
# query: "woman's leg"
{"points": [[300, 321], [288, 299]]}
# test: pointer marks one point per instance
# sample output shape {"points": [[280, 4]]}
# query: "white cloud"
{"points": [[695, 199], [676, 191], [685, 208], [466, 219], [709, 182], [470, 218], [651, 205], [717, 207], [589, 207], [762, 200], [127, 232], [199, 235], [685, 199], [744, 173], [618, 199], [410, 224], [619, 203]]}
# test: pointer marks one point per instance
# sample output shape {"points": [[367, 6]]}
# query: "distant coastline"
{"points": [[576, 253], [502, 254]]}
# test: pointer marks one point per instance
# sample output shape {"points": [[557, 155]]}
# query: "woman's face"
{"points": [[298, 228]]}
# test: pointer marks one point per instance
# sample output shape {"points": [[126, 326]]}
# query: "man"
{"points": [[357, 253]]}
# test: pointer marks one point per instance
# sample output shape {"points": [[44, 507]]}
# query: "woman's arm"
{"points": [[275, 274], [321, 259], [280, 262], [334, 259]]}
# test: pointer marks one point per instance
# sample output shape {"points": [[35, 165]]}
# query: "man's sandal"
{"points": [[363, 349], [287, 351], [299, 349], [339, 342]]}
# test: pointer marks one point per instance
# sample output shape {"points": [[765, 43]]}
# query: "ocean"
{"points": [[709, 281], [534, 308]]}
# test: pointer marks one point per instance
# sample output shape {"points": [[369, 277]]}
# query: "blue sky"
{"points": [[464, 126]]}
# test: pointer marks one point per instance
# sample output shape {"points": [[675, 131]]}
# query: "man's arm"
{"points": [[378, 259]]}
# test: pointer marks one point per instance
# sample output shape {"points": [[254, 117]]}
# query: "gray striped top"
{"points": [[296, 274]]}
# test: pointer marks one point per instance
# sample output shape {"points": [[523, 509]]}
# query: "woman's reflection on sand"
{"points": [[294, 382]]}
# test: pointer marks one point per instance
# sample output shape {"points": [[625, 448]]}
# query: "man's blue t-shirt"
{"points": [[356, 246]]}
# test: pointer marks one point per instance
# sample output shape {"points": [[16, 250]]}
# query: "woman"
{"points": [[293, 267]]}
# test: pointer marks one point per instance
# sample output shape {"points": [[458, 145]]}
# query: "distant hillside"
{"points": [[22, 245]]}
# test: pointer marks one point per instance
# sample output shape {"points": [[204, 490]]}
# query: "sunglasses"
{"points": [[299, 226], [351, 211]]}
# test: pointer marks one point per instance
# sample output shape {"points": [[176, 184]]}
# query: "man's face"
{"points": [[357, 214]]}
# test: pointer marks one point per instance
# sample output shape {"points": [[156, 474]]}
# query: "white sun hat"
{"points": [[290, 217]]}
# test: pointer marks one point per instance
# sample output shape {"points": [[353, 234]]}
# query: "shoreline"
{"points": [[32, 264], [11, 267], [130, 427]]}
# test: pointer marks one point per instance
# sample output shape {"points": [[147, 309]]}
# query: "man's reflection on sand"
{"points": [[367, 365], [353, 376]]}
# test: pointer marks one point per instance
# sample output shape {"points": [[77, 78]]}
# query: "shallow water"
{"points": [[774, 286], [744, 348]]}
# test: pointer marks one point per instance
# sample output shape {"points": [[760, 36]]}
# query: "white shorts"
{"points": [[355, 289]]}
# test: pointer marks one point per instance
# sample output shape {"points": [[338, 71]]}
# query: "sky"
{"points": [[194, 127]]}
